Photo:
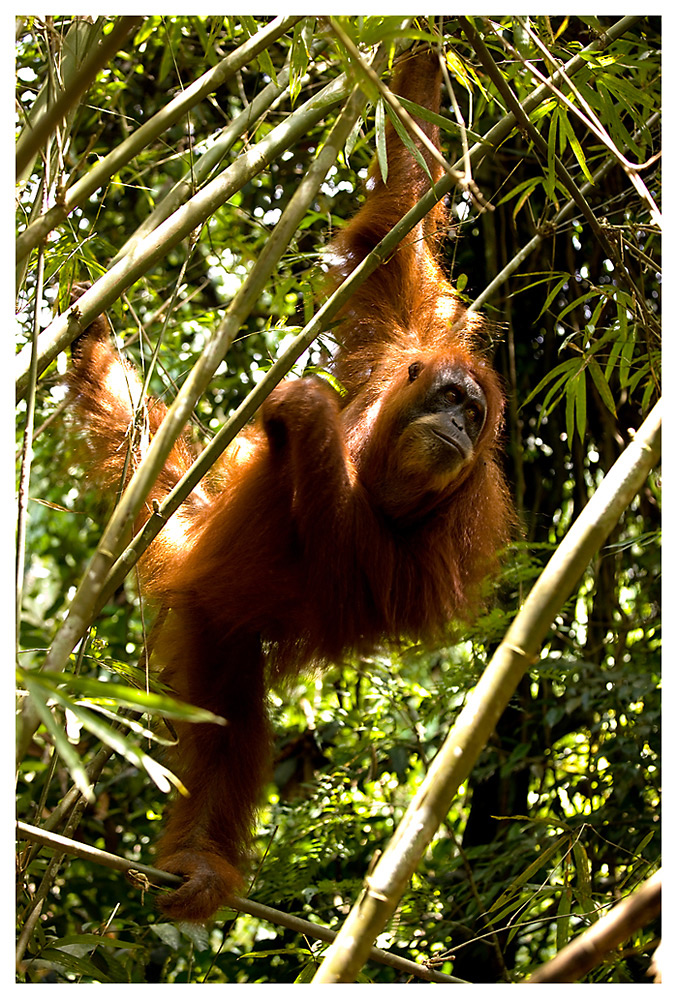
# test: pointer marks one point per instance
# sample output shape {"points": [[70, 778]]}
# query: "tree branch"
{"points": [[142, 875]]}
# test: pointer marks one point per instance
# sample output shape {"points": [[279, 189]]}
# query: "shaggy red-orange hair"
{"points": [[335, 525]]}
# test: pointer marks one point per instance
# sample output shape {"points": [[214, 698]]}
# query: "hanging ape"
{"points": [[333, 525]]}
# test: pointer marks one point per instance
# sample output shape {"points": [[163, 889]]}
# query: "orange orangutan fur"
{"points": [[334, 525]]}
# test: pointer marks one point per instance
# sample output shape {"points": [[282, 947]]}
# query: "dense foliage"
{"points": [[560, 817]]}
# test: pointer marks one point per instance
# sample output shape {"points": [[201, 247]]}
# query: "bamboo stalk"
{"points": [[519, 650], [589, 948], [36, 133], [62, 330], [102, 171], [87, 599]]}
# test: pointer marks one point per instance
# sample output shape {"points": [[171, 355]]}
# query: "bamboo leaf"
{"points": [[583, 884], [112, 737], [562, 27], [299, 59], [626, 357], [141, 701], [550, 184], [74, 964], [444, 124], [615, 351], [602, 385], [562, 921], [633, 382], [458, 70], [61, 742], [575, 146], [580, 388], [354, 134], [535, 183], [408, 141], [570, 398], [553, 396], [604, 339], [565, 368], [528, 185], [527, 874], [574, 303], [648, 394], [264, 60], [556, 290]]}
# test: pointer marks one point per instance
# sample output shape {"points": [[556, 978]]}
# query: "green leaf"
{"points": [[626, 357], [408, 141], [353, 137], [555, 291], [650, 390], [90, 941], [563, 921], [141, 701], [569, 412], [299, 57], [573, 304], [534, 866], [640, 373], [583, 885], [565, 368], [307, 973], [575, 407], [167, 61], [63, 746], [575, 146], [602, 385], [550, 184], [112, 737], [458, 70], [73, 964], [553, 396]]}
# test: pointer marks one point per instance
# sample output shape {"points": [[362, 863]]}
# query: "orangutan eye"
{"points": [[453, 395]]}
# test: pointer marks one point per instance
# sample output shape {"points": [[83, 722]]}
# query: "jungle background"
{"points": [[560, 817]]}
